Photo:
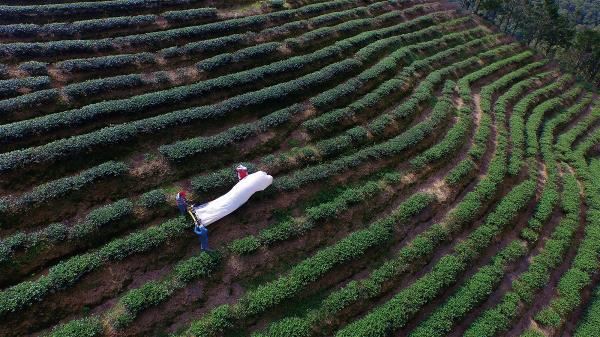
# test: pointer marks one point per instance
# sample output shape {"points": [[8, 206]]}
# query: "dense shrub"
{"points": [[69, 271], [13, 87], [301, 275], [590, 322], [475, 290], [123, 132], [152, 199], [58, 233], [397, 311], [155, 292], [85, 327], [517, 122], [98, 8], [62, 187], [157, 39], [139, 103], [524, 288]]}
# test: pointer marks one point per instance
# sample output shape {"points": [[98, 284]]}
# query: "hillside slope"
{"points": [[432, 176]]}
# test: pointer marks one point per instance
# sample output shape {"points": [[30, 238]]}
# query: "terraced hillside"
{"points": [[432, 177]]}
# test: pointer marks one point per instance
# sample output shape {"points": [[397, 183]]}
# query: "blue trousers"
{"points": [[202, 233], [182, 205]]}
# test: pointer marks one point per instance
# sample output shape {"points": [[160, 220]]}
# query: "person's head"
{"points": [[182, 194]]}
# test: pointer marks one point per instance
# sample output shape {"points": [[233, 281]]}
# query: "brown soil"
{"points": [[549, 292], [272, 252], [279, 203], [182, 132]]}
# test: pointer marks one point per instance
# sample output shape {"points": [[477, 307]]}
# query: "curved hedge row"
{"points": [[67, 272], [566, 140], [585, 263], [288, 228], [465, 212], [64, 148], [18, 86], [397, 311], [435, 78], [475, 290], [409, 300], [498, 319], [9, 14], [537, 115], [262, 52], [481, 138], [301, 275], [524, 288], [422, 245], [91, 27], [457, 135], [588, 142], [187, 148], [161, 39], [517, 121], [329, 147], [400, 84], [357, 135], [590, 322], [154, 292], [55, 189], [388, 148], [207, 47], [69, 94], [60, 233], [404, 54], [144, 102], [480, 286]]}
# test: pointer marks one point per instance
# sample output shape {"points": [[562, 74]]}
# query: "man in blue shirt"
{"points": [[202, 233]]}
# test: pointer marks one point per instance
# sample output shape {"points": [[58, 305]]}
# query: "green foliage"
{"points": [[101, 217], [151, 293], [517, 123], [187, 148], [156, 38], [152, 199], [475, 290], [62, 187], [304, 273], [565, 141], [245, 245], [67, 272], [64, 11], [382, 150], [58, 233], [498, 319], [197, 266], [399, 84], [85, 327], [481, 138], [535, 119], [398, 310], [590, 322], [13, 87], [122, 132]]}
